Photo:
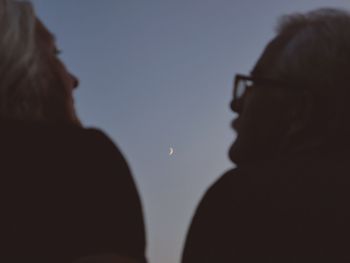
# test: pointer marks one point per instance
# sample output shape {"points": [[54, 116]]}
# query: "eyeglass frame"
{"points": [[263, 81], [258, 80]]}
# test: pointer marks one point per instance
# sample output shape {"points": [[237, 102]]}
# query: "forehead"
{"points": [[43, 34], [269, 57]]}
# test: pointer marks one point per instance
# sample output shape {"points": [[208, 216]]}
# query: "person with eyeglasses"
{"points": [[287, 199]]}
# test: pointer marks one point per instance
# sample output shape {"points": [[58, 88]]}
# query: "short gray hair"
{"points": [[316, 55], [27, 86]]}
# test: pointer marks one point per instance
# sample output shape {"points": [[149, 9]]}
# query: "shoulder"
{"points": [[226, 185], [91, 142], [210, 230], [239, 184], [103, 153], [91, 135], [218, 197], [91, 154], [99, 136], [106, 258]]}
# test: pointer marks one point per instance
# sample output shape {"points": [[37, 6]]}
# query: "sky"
{"points": [[157, 74]]}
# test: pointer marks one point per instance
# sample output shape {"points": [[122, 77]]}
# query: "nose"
{"points": [[236, 105], [75, 81]]}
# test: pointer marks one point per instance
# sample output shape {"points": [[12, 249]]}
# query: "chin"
{"points": [[251, 149], [244, 151], [236, 157], [235, 154]]}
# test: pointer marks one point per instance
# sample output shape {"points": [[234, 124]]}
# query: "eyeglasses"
{"points": [[243, 83]]}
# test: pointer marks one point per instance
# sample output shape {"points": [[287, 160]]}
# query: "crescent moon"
{"points": [[171, 151]]}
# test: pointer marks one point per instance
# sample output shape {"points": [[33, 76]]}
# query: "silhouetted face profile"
{"points": [[261, 124], [62, 78]]}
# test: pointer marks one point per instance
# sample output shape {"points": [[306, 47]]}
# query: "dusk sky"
{"points": [[156, 74]]}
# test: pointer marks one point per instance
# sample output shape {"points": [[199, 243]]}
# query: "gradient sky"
{"points": [[157, 74]]}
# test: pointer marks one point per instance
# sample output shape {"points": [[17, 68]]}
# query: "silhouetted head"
{"points": [[34, 83], [299, 92]]}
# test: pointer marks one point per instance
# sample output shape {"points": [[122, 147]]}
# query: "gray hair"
{"points": [[315, 55], [29, 90]]}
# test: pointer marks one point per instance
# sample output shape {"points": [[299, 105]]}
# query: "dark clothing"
{"points": [[66, 192], [294, 208]]}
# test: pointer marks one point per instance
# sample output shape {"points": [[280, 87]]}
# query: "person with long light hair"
{"points": [[66, 192]]}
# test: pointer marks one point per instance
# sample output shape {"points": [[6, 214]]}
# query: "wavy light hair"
{"points": [[313, 52], [30, 89]]}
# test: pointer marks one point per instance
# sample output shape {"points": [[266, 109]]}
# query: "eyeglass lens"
{"points": [[241, 87]]}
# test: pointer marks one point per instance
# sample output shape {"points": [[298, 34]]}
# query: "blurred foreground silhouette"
{"points": [[66, 191]]}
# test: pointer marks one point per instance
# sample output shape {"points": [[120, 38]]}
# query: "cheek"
{"points": [[263, 117], [63, 75]]}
